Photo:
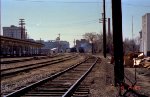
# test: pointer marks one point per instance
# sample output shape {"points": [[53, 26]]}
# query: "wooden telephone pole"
{"points": [[22, 23], [104, 30], [117, 41]]}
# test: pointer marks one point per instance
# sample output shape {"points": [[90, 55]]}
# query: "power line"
{"points": [[80, 2], [73, 24], [135, 5], [77, 24], [60, 1]]}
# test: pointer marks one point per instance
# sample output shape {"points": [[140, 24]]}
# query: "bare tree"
{"points": [[95, 40], [131, 45], [90, 36]]}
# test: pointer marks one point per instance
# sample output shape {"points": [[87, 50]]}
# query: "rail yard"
{"points": [[68, 54], [65, 75]]}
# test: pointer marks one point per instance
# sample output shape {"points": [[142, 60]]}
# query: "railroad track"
{"points": [[28, 59], [26, 68], [66, 83]]}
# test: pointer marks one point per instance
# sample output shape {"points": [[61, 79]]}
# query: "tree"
{"points": [[131, 45], [90, 36], [95, 40]]}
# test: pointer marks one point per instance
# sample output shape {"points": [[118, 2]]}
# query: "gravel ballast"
{"points": [[13, 83]]}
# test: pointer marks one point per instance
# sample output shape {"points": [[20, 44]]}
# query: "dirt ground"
{"points": [[103, 78], [142, 79]]}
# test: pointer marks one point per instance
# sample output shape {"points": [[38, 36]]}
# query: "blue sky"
{"points": [[45, 19]]}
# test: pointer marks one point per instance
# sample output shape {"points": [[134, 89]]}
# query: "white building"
{"points": [[13, 32], [53, 45], [145, 44]]}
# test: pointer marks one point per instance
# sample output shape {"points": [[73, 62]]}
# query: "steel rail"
{"points": [[34, 66], [22, 91], [15, 61], [22, 60], [11, 68], [72, 89], [26, 59]]}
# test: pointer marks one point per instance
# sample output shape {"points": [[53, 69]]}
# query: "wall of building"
{"points": [[51, 44], [11, 47], [140, 41], [145, 46], [144, 33], [148, 32], [13, 32]]}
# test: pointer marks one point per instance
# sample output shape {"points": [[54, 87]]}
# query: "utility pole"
{"points": [[74, 42], [132, 27], [58, 39], [109, 32], [40, 52], [117, 41], [104, 34], [59, 36], [132, 35], [109, 38], [22, 23], [22, 28], [104, 30]]}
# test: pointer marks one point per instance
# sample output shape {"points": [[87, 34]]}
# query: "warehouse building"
{"points": [[145, 35], [14, 32]]}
